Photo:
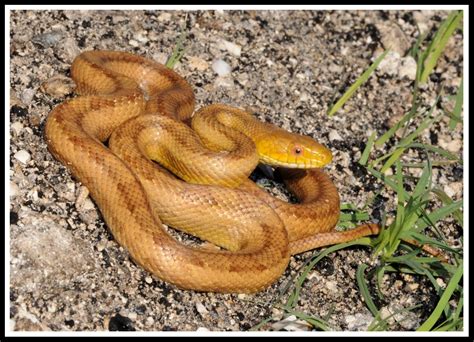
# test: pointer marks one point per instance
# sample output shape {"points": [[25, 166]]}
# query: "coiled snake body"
{"points": [[141, 108]]}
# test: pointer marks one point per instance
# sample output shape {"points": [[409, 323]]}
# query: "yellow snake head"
{"points": [[284, 149]]}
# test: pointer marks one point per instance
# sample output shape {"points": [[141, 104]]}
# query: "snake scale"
{"points": [[133, 141]]}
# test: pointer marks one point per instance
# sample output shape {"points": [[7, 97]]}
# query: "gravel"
{"points": [[66, 271]]}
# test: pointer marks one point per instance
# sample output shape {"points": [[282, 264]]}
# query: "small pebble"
{"points": [[58, 86], [22, 156], [14, 190], [149, 321], [390, 65], [48, 39], [234, 49], [197, 63], [334, 135], [27, 96], [358, 322], [223, 82], [408, 68], [71, 49], [453, 189], [221, 68], [17, 126], [331, 286], [201, 309]]}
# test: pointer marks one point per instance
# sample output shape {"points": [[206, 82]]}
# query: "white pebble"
{"points": [[17, 127], [408, 68], [164, 17], [133, 43], [22, 156], [13, 189], [201, 309], [390, 65], [202, 329], [27, 96], [52, 307], [234, 49], [334, 135], [221, 68], [198, 63], [331, 286], [88, 204], [224, 82], [454, 189]]}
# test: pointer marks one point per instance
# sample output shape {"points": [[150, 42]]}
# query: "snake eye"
{"points": [[297, 150]]}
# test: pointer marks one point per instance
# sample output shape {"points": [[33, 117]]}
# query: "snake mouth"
{"points": [[304, 164]]}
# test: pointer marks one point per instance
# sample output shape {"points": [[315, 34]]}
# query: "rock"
{"points": [[14, 100], [234, 49], [336, 69], [160, 57], [334, 135], [14, 189], [27, 96], [392, 37], [422, 18], [141, 36], [197, 63], [453, 146], [291, 323], [331, 286], [164, 16], [22, 156], [407, 68], [48, 39], [221, 68], [71, 49], [390, 65], [201, 309], [358, 322], [58, 86], [394, 313], [454, 190], [224, 82], [16, 127]]}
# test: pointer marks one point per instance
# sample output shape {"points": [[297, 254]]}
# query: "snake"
{"points": [[148, 159]]}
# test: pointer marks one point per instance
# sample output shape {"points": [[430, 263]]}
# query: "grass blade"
{"points": [[178, 51], [438, 311], [457, 214], [427, 122], [365, 155], [438, 44], [457, 108], [435, 216], [361, 80], [364, 289]]}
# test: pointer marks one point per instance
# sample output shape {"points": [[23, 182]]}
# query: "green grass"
{"points": [[421, 206], [179, 49], [353, 88]]}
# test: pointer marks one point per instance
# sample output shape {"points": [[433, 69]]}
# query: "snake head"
{"points": [[291, 150]]}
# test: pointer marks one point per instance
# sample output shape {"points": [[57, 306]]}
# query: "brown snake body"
{"points": [[140, 105]]}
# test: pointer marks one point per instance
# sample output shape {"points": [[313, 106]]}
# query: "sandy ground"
{"points": [[67, 272]]}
